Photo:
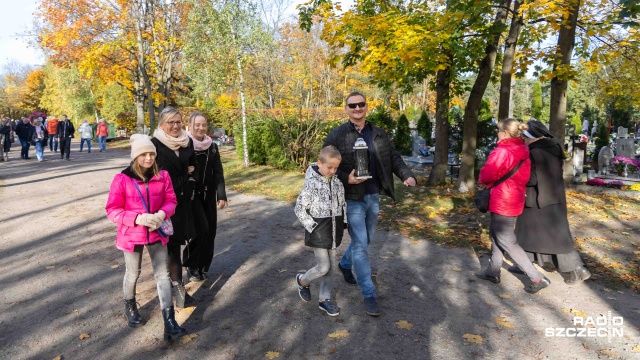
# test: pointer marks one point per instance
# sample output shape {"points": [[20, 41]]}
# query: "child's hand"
{"points": [[148, 220]]}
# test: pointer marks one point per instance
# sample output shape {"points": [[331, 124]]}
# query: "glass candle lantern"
{"points": [[362, 159]]}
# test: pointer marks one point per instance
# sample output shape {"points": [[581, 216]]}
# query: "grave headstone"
{"points": [[625, 147], [419, 146], [604, 160], [623, 132]]}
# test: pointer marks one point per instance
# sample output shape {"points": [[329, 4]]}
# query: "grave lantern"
{"points": [[362, 159]]}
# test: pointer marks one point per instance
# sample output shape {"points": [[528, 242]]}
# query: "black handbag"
{"points": [[481, 197]]}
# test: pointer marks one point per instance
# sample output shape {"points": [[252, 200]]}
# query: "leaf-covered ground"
{"points": [[606, 228]]}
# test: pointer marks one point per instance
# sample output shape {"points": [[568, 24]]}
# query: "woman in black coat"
{"points": [[177, 157], [543, 229], [210, 194]]}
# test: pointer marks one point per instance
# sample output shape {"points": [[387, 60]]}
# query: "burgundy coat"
{"points": [[124, 205], [508, 197]]}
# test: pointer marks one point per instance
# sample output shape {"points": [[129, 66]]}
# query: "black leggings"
{"points": [[175, 263]]}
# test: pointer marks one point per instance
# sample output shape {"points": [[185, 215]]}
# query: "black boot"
{"points": [[183, 299], [171, 328], [131, 313]]}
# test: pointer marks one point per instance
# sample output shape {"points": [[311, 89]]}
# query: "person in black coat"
{"points": [[543, 229], [65, 133], [210, 194], [25, 131], [177, 157]]}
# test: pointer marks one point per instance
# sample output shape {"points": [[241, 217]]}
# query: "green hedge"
{"points": [[289, 143]]}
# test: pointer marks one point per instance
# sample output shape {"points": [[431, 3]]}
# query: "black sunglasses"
{"points": [[354, 105]]}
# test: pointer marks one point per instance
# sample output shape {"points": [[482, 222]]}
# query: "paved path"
{"points": [[61, 277]]}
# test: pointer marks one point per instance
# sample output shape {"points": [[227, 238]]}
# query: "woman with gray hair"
{"points": [[177, 157], [543, 229]]}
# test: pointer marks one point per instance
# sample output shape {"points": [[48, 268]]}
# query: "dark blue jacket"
{"points": [[25, 131]]}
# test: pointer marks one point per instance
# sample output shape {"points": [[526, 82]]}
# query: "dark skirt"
{"points": [[562, 262], [545, 230]]}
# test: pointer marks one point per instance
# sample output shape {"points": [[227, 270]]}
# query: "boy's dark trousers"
{"points": [[65, 146]]}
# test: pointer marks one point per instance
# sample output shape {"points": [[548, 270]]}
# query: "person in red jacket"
{"points": [[507, 201], [102, 130], [141, 198]]}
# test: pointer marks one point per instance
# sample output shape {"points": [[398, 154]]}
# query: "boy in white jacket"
{"points": [[86, 133], [321, 208]]}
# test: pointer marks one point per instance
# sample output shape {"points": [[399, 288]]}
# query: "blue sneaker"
{"points": [[303, 291], [330, 308], [370, 306]]}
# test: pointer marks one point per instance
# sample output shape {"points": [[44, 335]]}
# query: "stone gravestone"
{"points": [[625, 147], [419, 145], [604, 160], [623, 132]]}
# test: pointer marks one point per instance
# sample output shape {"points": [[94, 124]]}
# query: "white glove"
{"points": [[160, 216], [148, 220]]}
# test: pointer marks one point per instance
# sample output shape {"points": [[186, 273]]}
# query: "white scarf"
{"points": [[201, 145], [39, 132], [173, 143]]}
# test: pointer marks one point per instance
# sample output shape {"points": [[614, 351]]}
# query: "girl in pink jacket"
{"points": [[139, 186]]}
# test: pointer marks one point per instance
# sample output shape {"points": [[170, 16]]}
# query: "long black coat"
{"points": [[543, 226], [183, 184], [389, 160], [209, 189]]}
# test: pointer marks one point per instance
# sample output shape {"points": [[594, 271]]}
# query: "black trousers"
{"points": [[198, 255], [65, 147]]}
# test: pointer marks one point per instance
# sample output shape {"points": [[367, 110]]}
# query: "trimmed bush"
{"points": [[424, 128], [402, 140]]}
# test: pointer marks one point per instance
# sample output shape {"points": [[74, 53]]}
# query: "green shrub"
{"points": [[424, 128], [402, 140], [381, 117]]}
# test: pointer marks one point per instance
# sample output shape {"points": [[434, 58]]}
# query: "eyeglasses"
{"points": [[174, 123], [354, 105]]}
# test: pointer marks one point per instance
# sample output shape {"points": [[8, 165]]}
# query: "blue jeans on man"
{"points": [[24, 151], [53, 143], [363, 218], [88, 144], [102, 143]]}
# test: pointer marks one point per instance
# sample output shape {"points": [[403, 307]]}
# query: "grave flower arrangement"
{"points": [[619, 162]]}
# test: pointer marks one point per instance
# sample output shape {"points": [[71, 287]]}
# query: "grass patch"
{"points": [[272, 183]]}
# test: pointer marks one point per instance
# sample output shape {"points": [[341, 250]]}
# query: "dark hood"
{"points": [[550, 145]]}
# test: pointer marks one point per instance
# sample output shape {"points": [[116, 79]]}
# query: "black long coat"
{"points": [[183, 185], [209, 189], [543, 226]]}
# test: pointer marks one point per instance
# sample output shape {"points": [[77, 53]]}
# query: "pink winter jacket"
{"points": [[124, 205], [507, 199]]}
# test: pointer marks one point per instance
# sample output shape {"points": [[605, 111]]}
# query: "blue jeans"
{"points": [[88, 144], [363, 218], [102, 143], [40, 149], [53, 143], [24, 152]]}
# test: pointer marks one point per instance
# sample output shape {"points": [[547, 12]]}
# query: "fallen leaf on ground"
{"points": [[505, 296], [636, 348], [585, 346], [272, 355], [610, 353], [57, 357], [282, 270], [84, 336], [115, 266], [607, 289], [87, 291], [455, 268], [339, 334], [415, 242], [188, 338], [50, 267], [404, 324], [611, 298], [472, 338], [502, 321], [578, 313]]}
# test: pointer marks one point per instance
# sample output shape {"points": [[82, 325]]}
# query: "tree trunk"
{"points": [[566, 42], [138, 99], [439, 170], [504, 109], [466, 179]]}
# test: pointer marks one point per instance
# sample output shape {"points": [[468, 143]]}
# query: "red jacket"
{"points": [[102, 129], [52, 126], [124, 205], [508, 197]]}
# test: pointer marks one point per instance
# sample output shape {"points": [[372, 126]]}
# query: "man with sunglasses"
{"points": [[363, 194]]}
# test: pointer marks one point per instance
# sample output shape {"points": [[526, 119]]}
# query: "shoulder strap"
{"points": [[140, 193], [499, 181]]}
